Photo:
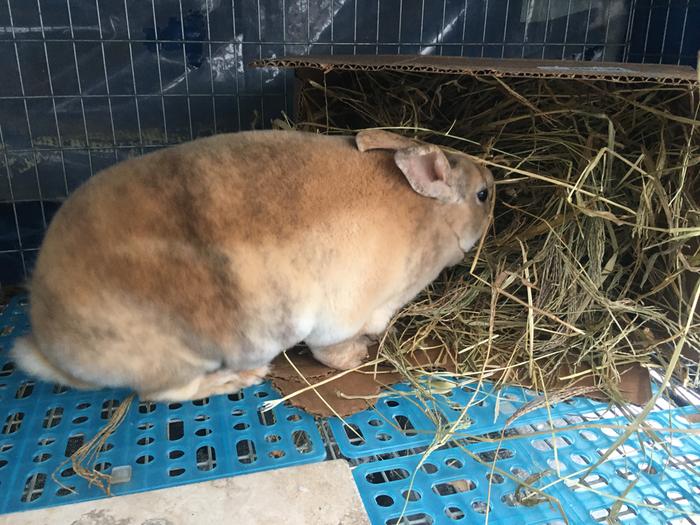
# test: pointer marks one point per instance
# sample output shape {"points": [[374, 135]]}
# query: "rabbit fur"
{"points": [[182, 273]]}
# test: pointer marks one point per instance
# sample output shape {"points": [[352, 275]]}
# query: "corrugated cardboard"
{"points": [[612, 71], [355, 391]]}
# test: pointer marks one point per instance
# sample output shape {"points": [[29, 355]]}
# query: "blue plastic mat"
{"points": [[452, 486], [160, 445], [156, 446], [399, 422]]}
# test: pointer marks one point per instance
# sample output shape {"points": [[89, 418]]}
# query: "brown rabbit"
{"points": [[183, 273]]}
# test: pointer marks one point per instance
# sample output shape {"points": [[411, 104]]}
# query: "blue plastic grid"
{"points": [[166, 445], [452, 487], [162, 445], [399, 422], [449, 487], [664, 473]]}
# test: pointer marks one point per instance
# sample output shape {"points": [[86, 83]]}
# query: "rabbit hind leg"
{"points": [[222, 381]]}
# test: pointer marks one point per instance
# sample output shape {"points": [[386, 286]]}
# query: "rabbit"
{"points": [[182, 273]]}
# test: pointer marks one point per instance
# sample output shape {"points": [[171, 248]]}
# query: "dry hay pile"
{"points": [[593, 258]]}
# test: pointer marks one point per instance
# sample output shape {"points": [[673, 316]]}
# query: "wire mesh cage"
{"points": [[88, 82]]}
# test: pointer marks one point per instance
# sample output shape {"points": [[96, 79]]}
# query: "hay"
{"points": [[592, 262], [84, 460], [593, 252]]}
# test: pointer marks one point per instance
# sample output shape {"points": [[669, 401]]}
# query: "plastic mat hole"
{"points": [[293, 418], [453, 463], [145, 426], [677, 497], [146, 407], [354, 434], [413, 519], [24, 390], [13, 423], [411, 495], [238, 412], [103, 466], [383, 437], [106, 447], [59, 389], [146, 440], [454, 513], [302, 441], [175, 454], [3, 462], [7, 370], [201, 432], [53, 417], [201, 402], [145, 459], [174, 406], [429, 468], [276, 454], [648, 468], [67, 473], [589, 435], [653, 501], [83, 406], [385, 476], [65, 491], [685, 461], [44, 442], [6, 446], [240, 426], [595, 481], [176, 429], [33, 487], [384, 500], [245, 450], [375, 422], [73, 444], [206, 458], [453, 487], [109, 406], [39, 458], [480, 507], [266, 417], [261, 394], [490, 455], [547, 444], [494, 478], [272, 438], [625, 473], [175, 472], [237, 396], [391, 403], [519, 472], [80, 419], [201, 417], [599, 515], [580, 459], [405, 425]]}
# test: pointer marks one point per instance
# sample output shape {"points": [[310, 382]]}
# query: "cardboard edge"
{"points": [[611, 71]]}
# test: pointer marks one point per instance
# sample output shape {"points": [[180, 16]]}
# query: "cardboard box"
{"points": [[340, 72]]}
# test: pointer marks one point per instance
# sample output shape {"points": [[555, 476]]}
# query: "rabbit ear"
{"points": [[428, 172], [379, 139]]}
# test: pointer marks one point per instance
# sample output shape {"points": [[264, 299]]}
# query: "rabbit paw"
{"points": [[343, 356]]}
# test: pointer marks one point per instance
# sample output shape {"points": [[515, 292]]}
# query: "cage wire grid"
{"points": [[88, 83]]}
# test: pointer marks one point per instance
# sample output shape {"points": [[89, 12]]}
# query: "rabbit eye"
{"points": [[483, 195]]}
